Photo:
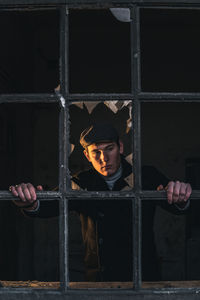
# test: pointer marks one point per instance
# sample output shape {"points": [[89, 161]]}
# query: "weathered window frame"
{"points": [[64, 194]]}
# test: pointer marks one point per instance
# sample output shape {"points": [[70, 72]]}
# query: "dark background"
{"points": [[99, 61]]}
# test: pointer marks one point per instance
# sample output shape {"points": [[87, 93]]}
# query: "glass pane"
{"points": [[29, 142], [163, 244], [193, 242], [111, 121], [99, 53], [29, 252], [170, 143], [29, 54], [170, 245], [170, 50], [103, 252]]}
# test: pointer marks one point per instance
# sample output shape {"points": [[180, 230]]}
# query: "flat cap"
{"points": [[98, 132]]}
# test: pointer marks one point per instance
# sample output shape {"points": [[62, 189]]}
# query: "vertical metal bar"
{"points": [[135, 31], [67, 142], [63, 229], [68, 145], [137, 148]]}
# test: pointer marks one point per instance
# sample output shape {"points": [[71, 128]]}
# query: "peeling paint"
{"points": [[62, 100], [78, 104]]}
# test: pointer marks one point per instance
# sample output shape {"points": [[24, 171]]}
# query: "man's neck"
{"points": [[110, 180]]}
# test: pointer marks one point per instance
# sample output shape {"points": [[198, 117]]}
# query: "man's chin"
{"points": [[107, 173]]}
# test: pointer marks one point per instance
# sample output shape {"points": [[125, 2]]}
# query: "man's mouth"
{"points": [[107, 167]]}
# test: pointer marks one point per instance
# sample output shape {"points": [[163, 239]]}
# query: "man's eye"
{"points": [[110, 148], [96, 153]]}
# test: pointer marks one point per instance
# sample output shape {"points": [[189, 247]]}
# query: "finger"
{"points": [[31, 191], [26, 192], [176, 192], [160, 187], [188, 191], [182, 192], [39, 188], [20, 189], [12, 189], [170, 189]]}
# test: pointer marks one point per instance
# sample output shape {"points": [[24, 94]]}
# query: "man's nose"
{"points": [[104, 156]]}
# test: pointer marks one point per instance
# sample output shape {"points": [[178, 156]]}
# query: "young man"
{"points": [[107, 224]]}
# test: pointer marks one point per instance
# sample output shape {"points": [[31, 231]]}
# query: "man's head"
{"points": [[102, 148]]}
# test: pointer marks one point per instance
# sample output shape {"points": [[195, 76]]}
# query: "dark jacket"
{"points": [[107, 226]]}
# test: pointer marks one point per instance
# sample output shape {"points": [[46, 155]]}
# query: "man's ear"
{"points": [[86, 155], [121, 147]]}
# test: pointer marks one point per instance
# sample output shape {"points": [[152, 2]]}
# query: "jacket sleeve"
{"points": [[46, 209]]}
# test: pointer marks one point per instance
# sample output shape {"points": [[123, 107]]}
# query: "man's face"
{"points": [[105, 157]]}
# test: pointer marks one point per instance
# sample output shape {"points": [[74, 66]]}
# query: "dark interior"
{"points": [[99, 51], [170, 50], [99, 61], [29, 55]]}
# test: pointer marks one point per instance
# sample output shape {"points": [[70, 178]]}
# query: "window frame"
{"points": [[64, 98]]}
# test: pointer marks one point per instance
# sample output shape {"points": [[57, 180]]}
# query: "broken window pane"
{"points": [[29, 54], [100, 241], [170, 50], [108, 113], [99, 52], [29, 144]]}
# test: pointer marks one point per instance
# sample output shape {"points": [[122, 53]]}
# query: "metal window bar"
{"points": [[64, 149], [103, 3], [136, 203]]}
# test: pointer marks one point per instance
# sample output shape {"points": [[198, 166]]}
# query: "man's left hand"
{"points": [[177, 192]]}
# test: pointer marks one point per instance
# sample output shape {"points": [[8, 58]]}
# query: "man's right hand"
{"points": [[26, 193]]}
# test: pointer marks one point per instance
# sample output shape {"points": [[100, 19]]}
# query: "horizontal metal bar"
{"points": [[172, 7], [184, 97], [144, 195], [98, 97], [45, 195], [161, 195], [99, 2], [101, 195], [139, 2], [152, 97], [103, 294], [24, 8], [29, 98], [26, 3]]}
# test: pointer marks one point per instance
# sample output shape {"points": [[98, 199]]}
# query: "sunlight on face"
{"points": [[105, 157]]}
